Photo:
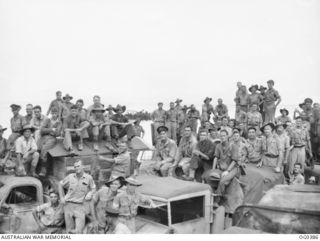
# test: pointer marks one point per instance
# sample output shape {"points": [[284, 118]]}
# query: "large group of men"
{"points": [[191, 145]]}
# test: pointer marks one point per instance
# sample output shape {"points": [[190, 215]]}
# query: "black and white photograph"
{"points": [[159, 117]]}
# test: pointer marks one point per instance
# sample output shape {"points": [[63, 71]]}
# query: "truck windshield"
{"points": [[22, 194], [187, 209]]}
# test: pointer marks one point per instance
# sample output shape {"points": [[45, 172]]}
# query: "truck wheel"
{"points": [[218, 222]]}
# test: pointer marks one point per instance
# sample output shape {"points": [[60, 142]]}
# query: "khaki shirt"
{"points": [[271, 96], [254, 150], [78, 188], [171, 116], [186, 147], [159, 116], [299, 137], [222, 110], [37, 122], [27, 119], [166, 150], [255, 98], [127, 204], [271, 146], [51, 216], [23, 145], [223, 153], [193, 115], [283, 119], [16, 123], [49, 124]]}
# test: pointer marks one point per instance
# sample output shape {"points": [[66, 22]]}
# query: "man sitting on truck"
{"points": [[74, 128], [26, 150], [49, 216]]}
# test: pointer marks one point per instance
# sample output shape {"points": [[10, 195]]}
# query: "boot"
{"points": [[33, 172]]}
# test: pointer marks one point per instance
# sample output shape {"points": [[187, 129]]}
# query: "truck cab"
{"points": [[18, 197]]}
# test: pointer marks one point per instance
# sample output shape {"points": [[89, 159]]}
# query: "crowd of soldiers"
{"points": [[193, 146]]}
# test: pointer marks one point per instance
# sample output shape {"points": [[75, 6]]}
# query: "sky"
{"points": [[138, 53]]}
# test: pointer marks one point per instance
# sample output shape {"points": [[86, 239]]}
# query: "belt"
{"points": [[173, 121], [299, 146], [271, 155], [159, 121], [74, 202]]}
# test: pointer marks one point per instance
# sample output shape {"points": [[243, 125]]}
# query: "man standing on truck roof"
{"points": [[74, 129], [26, 150], [158, 117], [193, 116], [128, 201], [172, 122], [16, 124], [80, 189], [50, 130], [66, 106], [270, 105], [56, 103], [50, 216]]}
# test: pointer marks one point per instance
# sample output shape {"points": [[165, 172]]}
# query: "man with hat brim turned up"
{"points": [[284, 117], [26, 151], [121, 162], [221, 110], [74, 129], [254, 118], [50, 130], [184, 153], [114, 226], [66, 106], [262, 90], [193, 115], [202, 157], [57, 104], [172, 122], [207, 110], [270, 105], [300, 143], [127, 203], [103, 199], [307, 112], [254, 97], [81, 188], [16, 125], [272, 149], [123, 127], [285, 145], [163, 157], [158, 117]]}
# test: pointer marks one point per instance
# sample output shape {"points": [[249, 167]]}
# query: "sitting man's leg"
{"points": [[33, 160], [48, 142], [226, 180], [166, 169], [185, 165]]}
